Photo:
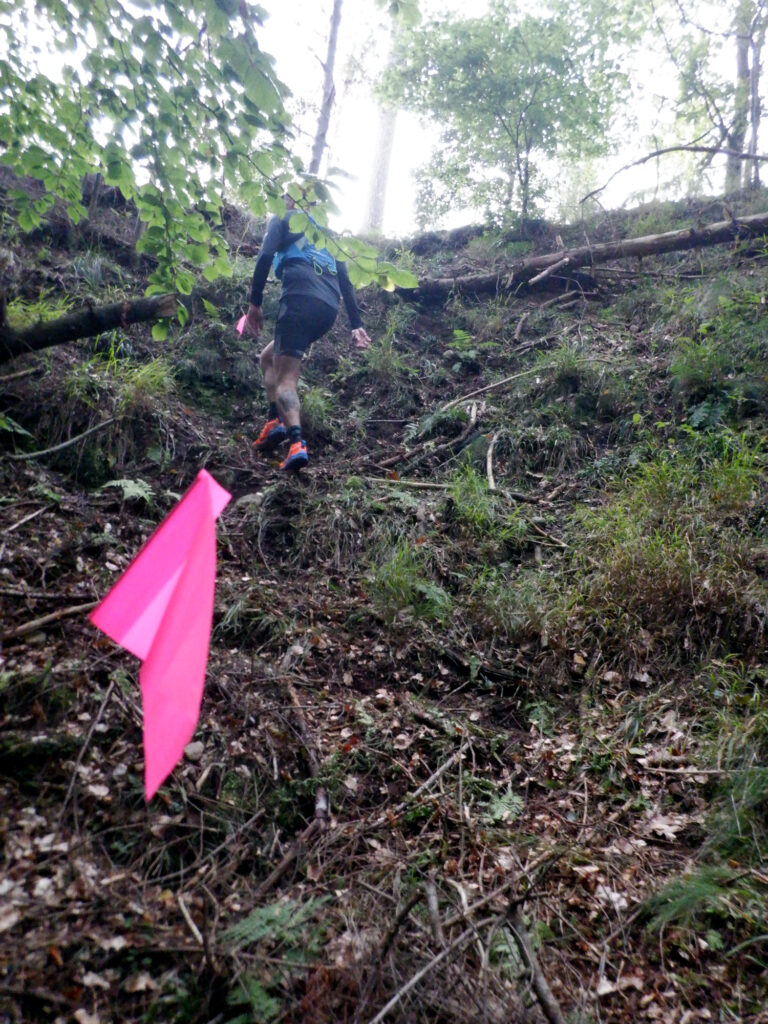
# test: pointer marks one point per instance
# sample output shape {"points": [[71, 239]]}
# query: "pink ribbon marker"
{"points": [[241, 324], [161, 610]]}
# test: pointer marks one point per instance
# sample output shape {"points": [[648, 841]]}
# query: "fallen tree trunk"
{"points": [[85, 324], [529, 272]]}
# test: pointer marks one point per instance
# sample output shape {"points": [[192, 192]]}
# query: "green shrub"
{"points": [[400, 584]]}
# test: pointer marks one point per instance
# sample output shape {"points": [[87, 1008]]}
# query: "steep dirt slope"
{"points": [[514, 641]]}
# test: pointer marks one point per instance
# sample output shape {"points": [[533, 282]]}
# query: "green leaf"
{"points": [[138, 489], [222, 266], [505, 807], [185, 282], [299, 222], [402, 278], [28, 219], [9, 424], [160, 332], [359, 277]]}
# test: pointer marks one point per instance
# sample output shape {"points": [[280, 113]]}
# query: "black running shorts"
{"points": [[300, 321]]}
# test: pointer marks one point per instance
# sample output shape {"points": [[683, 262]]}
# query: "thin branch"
{"points": [[547, 1001], [64, 444], [19, 374], [711, 150], [46, 620], [491, 387], [190, 923], [81, 754], [29, 518], [416, 978], [549, 271]]}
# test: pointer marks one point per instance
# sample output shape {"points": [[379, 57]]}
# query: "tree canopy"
{"points": [[509, 91], [174, 103], [169, 102]]}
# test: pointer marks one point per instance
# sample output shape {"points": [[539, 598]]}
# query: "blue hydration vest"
{"points": [[319, 259]]}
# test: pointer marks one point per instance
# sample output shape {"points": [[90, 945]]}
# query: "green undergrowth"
{"points": [[517, 592]]}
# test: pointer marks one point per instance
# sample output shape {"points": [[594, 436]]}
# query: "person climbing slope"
{"points": [[313, 282]]}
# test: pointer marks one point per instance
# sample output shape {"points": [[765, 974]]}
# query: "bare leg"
{"points": [[286, 370]]}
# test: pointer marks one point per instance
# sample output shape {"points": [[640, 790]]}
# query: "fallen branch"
{"points": [[64, 444], [549, 272], [547, 1001], [491, 387], [526, 271], [433, 963], [314, 827], [46, 620], [85, 324]]}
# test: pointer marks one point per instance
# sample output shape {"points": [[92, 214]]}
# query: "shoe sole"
{"points": [[295, 464], [270, 443]]}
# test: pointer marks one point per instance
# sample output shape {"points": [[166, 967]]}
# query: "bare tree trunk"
{"points": [[752, 173], [380, 175], [329, 91], [742, 96]]}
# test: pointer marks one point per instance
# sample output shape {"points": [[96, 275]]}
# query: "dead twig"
{"points": [[46, 620], [19, 374], [81, 755], [548, 536], [315, 826], [65, 444], [418, 484], [29, 518], [430, 890], [190, 923], [389, 938], [425, 449], [549, 271], [491, 387], [433, 963], [547, 1001], [322, 804], [403, 805], [489, 462], [566, 298]]}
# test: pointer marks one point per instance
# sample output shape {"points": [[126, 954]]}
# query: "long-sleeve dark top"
{"points": [[298, 277]]}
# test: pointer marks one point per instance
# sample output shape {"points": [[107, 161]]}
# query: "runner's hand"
{"points": [[360, 338], [255, 319]]}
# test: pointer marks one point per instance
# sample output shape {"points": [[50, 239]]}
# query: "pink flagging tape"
{"points": [[161, 610]]}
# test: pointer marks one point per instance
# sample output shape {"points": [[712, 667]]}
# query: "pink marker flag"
{"points": [[161, 610], [241, 324]]}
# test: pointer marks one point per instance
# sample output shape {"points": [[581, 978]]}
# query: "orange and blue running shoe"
{"points": [[273, 434], [297, 457]]}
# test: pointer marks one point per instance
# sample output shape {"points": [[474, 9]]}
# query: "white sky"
{"points": [[296, 35]]}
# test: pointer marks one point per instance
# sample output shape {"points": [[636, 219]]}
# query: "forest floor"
{"points": [[518, 643]]}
